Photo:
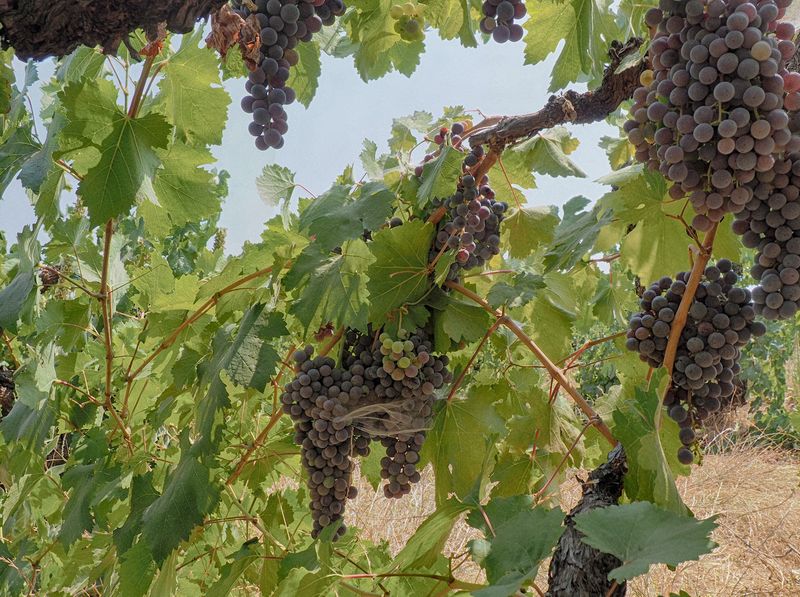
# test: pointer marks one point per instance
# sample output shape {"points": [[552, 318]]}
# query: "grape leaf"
{"points": [[304, 76], [464, 321], [521, 537], [585, 26], [40, 164], [522, 289], [184, 190], [236, 566], [15, 151], [187, 497], [191, 93], [6, 80], [275, 184], [399, 274], [335, 217], [642, 534], [13, 298], [255, 359], [126, 148], [136, 571], [454, 446], [440, 175], [527, 228], [427, 542], [403, 129], [331, 287], [575, 234], [547, 153], [649, 475]]}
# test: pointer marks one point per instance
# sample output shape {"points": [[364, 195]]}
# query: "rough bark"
{"points": [[578, 570], [41, 28], [7, 394], [571, 106]]}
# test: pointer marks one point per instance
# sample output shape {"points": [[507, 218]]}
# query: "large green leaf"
{"points": [[330, 287], [15, 151], [188, 496], [527, 228], [440, 175], [335, 216], [399, 274], [424, 546], [191, 93], [304, 76], [649, 474], [586, 28], [642, 534], [461, 439], [519, 539]]}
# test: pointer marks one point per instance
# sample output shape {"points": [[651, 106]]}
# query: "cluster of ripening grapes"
{"points": [[710, 114], [453, 134], [284, 24], [471, 227], [409, 21], [498, 19], [770, 223], [338, 411], [720, 321]]}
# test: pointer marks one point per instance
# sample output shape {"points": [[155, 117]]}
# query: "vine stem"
{"points": [[138, 94], [570, 359], [273, 420], [682, 313], [555, 372], [10, 348]]}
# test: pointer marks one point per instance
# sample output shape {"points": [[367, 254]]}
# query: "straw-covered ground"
{"points": [[755, 491]]}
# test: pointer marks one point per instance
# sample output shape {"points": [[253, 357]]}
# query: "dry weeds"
{"points": [[753, 490]]}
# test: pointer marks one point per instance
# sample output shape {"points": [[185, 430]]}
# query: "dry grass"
{"points": [[754, 491]]}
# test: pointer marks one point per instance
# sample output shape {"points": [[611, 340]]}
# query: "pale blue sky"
{"points": [[328, 136]]}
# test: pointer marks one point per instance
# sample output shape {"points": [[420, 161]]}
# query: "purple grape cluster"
{"points": [[315, 401], [720, 321], [400, 406], [498, 19], [710, 115], [770, 223], [284, 24], [472, 225], [338, 411]]}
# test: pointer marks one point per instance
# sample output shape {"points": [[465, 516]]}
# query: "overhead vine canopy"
{"points": [[180, 420]]}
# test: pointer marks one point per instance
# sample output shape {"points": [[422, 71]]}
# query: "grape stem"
{"points": [[12, 356], [555, 372], [457, 383], [683, 311]]}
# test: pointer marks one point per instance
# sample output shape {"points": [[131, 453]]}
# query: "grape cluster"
{"points": [[440, 138], [770, 223], [498, 19], [338, 411], [472, 225], [409, 21], [721, 320], [399, 406], [284, 24], [316, 402], [710, 114]]}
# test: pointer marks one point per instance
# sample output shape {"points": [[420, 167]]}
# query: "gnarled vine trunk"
{"points": [[41, 28], [576, 569]]}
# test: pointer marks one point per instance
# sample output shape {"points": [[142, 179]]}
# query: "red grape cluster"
{"points": [[284, 24], [472, 225], [710, 115]]}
